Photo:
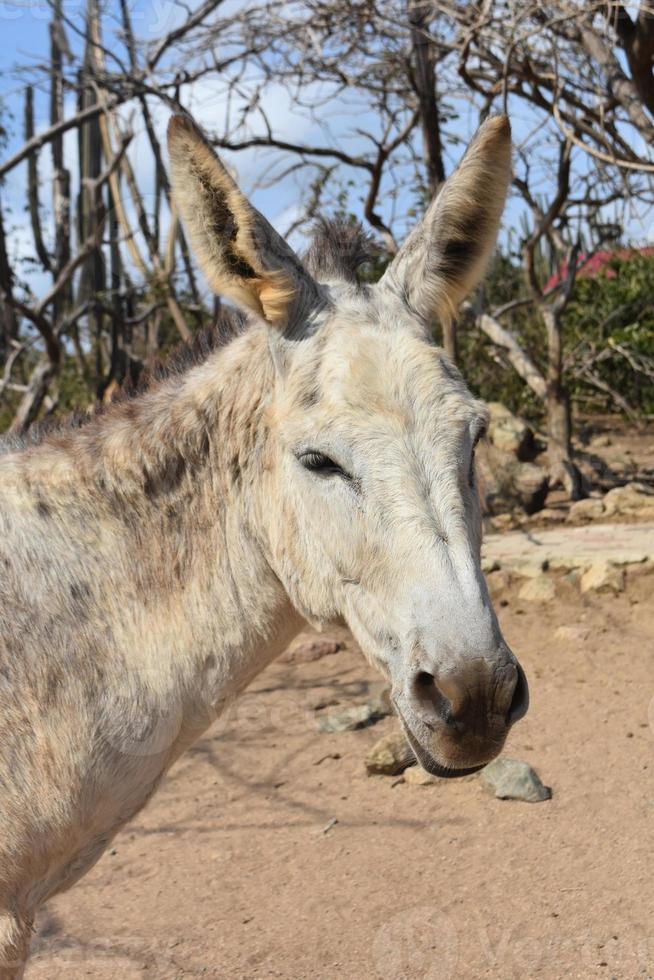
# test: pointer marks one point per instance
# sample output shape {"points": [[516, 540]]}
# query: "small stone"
{"points": [[640, 569], [538, 590], [532, 568], [503, 522], [389, 756], [585, 510], [417, 776], [358, 716], [531, 484], [507, 485], [509, 433], [603, 576], [601, 441], [379, 696], [510, 779], [549, 515], [634, 498], [498, 581], [572, 635], [312, 650]]}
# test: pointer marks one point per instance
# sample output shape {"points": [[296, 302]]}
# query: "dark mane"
{"points": [[338, 249], [228, 325]]}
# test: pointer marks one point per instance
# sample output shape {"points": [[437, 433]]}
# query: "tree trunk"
{"points": [[425, 86], [33, 184], [423, 77], [516, 354], [557, 403], [118, 359], [8, 325], [32, 400], [90, 209]]}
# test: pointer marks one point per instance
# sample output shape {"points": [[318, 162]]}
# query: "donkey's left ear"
{"points": [[239, 252], [446, 255]]}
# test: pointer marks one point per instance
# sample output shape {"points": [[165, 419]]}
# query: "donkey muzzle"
{"points": [[457, 718]]}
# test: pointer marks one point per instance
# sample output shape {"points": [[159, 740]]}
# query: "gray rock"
{"points": [[504, 522], [603, 576], [506, 483], [379, 693], [498, 581], [510, 779], [634, 498], [389, 756], [532, 484], [358, 716], [586, 510], [417, 776], [550, 515], [311, 650], [538, 589], [642, 568], [509, 433], [569, 547], [573, 635]]}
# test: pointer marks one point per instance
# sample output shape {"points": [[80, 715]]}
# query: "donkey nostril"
{"points": [[520, 699], [428, 695]]}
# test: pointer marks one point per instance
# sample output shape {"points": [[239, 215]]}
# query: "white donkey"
{"points": [[318, 466]]}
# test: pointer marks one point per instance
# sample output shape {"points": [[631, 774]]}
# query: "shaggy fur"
{"points": [[188, 354], [154, 559]]}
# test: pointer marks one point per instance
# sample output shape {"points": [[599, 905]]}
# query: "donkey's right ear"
{"points": [[239, 252]]}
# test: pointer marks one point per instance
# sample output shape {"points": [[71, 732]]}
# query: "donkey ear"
{"points": [[446, 255], [239, 252]]}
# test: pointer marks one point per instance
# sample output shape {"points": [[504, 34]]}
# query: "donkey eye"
{"points": [[317, 462]]}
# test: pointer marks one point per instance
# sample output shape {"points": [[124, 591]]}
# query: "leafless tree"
{"points": [[388, 92], [115, 255]]}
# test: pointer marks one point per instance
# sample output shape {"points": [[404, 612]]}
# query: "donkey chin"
{"points": [[455, 728]]}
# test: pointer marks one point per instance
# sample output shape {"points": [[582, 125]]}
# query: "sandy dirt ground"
{"points": [[268, 852]]}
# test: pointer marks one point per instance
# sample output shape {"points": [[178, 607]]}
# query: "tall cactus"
{"points": [[8, 324], [33, 201], [90, 205], [61, 177]]}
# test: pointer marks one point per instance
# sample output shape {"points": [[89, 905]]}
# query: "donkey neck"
{"points": [[168, 483]]}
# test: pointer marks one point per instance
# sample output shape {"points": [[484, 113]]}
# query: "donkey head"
{"points": [[371, 512]]}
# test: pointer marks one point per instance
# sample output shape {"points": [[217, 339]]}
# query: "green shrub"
{"points": [[614, 317], [608, 316]]}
